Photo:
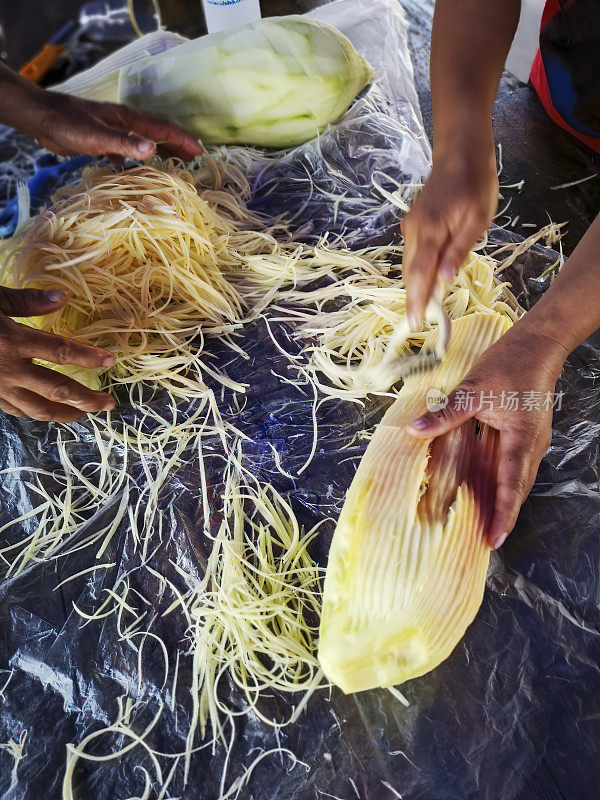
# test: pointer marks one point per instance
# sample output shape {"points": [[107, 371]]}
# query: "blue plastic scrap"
{"points": [[48, 176]]}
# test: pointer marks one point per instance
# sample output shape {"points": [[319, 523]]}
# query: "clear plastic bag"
{"points": [[85, 83]]}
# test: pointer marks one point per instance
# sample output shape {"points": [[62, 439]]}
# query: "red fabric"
{"points": [[540, 84], [551, 9]]}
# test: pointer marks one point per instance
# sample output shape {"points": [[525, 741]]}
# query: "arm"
{"points": [[65, 125], [470, 41], [569, 311], [539, 344]]}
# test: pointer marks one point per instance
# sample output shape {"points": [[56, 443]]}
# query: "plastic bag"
{"points": [[84, 83]]}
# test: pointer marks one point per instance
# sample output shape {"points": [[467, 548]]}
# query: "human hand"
{"points": [[454, 208], [524, 433], [27, 389], [68, 125]]}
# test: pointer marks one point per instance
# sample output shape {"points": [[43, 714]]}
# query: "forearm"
{"points": [[20, 101], [469, 44], [569, 311]]}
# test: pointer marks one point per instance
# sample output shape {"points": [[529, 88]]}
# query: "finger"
{"points": [[181, 149], [459, 407], [96, 139], [9, 408], [512, 486], [42, 409], [117, 142], [166, 151], [33, 343], [420, 271], [171, 137], [118, 162], [61, 389], [30, 302], [58, 148], [459, 245]]}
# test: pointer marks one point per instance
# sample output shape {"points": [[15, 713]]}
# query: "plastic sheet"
{"points": [[513, 714]]}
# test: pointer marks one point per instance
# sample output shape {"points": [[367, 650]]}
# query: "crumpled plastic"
{"points": [[512, 714]]}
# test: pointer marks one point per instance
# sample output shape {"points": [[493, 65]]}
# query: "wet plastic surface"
{"points": [[513, 714]]}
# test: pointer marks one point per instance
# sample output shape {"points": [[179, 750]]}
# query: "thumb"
{"points": [[30, 302], [120, 143], [460, 407]]}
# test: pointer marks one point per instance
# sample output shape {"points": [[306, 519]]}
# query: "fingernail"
{"points": [[499, 540], [143, 146], [413, 322], [109, 405], [56, 295], [108, 361], [420, 423]]}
